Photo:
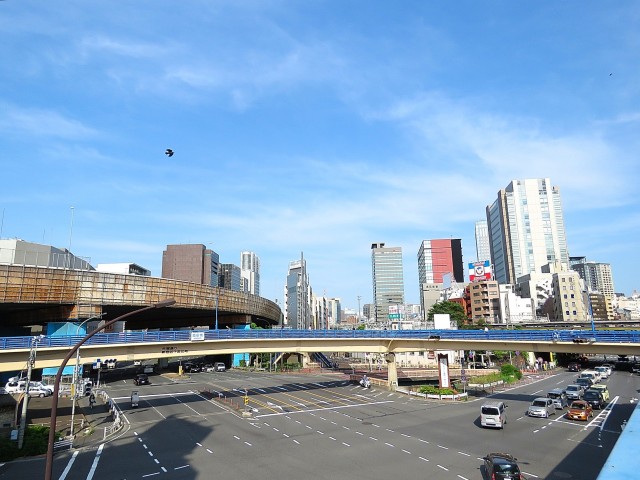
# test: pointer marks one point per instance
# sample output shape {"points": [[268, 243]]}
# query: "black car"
{"points": [[584, 382], [594, 398], [573, 367], [192, 367], [142, 379], [502, 466]]}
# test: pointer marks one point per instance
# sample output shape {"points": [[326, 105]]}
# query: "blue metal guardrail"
{"points": [[577, 336]]}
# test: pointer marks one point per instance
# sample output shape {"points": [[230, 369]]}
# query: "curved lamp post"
{"points": [[56, 386], [76, 372]]}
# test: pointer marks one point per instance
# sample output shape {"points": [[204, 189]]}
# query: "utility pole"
{"points": [[359, 297], [25, 399]]}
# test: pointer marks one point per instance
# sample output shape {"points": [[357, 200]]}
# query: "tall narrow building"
{"points": [[250, 271], [298, 296], [388, 280], [439, 257], [229, 277], [192, 263], [526, 229], [483, 248]]}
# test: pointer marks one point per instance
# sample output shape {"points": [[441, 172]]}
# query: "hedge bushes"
{"points": [[432, 390], [36, 440]]}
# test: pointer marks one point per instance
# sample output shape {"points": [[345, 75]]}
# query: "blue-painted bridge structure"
{"points": [[14, 351]]}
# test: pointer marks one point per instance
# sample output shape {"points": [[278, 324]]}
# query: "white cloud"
{"points": [[43, 123]]}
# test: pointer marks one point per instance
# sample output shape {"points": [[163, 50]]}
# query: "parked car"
{"points": [[18, 386], [208, 367], [541, 407], [574, 392], [579, 410], [141, 379], [192, 367], [559, 398], [219, 367], [39, 391], [603, 390], [635, 368], [502, 466], [594, 398]]}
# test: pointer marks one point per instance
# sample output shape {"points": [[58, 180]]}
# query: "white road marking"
{"points": [[68, 467], [94, 465], [444, 468], [465, 454]]}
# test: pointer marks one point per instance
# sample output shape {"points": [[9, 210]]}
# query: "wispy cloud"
{"points": [[43, 123]]}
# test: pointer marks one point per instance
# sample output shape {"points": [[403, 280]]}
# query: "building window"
{"points": [[574, 312]]}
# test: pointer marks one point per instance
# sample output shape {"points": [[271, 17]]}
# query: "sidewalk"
{"points": [[89, 423]]}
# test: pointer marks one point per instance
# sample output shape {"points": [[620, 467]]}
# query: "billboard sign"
{"points": [[395, 312], [479, 271]]}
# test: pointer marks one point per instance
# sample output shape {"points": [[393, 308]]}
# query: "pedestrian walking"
{"points": [[92, 400]]}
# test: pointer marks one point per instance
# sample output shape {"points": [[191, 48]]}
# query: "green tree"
{"points": [[455, 311]]}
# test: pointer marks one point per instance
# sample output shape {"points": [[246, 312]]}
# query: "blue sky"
{"points": [[318, 127]]}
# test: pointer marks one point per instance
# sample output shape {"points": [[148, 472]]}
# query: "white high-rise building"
{"points": [[250, 272], [298, 294], [483, 249], [526, 229]]}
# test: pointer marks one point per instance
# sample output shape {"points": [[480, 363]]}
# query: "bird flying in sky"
{"points": [[169, 152]]}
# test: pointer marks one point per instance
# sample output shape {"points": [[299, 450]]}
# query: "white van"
{"points": [[493, 414]]}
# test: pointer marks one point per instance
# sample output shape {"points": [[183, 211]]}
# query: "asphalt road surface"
{"points": [[322, 427]]}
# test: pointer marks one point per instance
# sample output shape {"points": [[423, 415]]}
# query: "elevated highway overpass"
{"points": [[34, 296]]}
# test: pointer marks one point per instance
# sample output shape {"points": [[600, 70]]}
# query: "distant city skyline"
{"points": [[322, 127]]}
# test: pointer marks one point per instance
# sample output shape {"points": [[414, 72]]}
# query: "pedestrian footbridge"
{"points": [[14, 351]]}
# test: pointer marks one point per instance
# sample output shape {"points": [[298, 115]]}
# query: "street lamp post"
{"points": [[56, 386], [76, 372]]}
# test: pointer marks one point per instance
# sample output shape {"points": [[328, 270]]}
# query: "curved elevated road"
{"points": [[39, 295]]}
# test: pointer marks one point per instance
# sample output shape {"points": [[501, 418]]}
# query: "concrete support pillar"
{"points": [[392, 371]]}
